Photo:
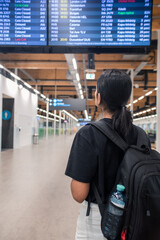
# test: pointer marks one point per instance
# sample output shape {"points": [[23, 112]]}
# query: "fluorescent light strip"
{"points": [[70, 115], [52, 119], [148, 93], [82, 97], [79, 85], [140, 98], [74, 63], [77, 77], [27, 85], [43, 96], [86, 114], [42, 110], [36, 91], [146, 117], [81, 92], [18, 78], [148, 110], [1, 66]]}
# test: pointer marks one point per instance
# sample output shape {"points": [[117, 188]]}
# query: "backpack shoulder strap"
{"points": [[109, 132], [142, 139]]}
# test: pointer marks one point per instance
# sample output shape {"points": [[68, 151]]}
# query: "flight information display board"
{"points": [[23, 22], [100, 23]]}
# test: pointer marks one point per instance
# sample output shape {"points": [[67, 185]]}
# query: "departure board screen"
{"points": [[100, 23], [23, 22]]}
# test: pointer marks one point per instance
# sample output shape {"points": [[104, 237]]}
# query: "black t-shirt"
{"points": [[85, 165]]}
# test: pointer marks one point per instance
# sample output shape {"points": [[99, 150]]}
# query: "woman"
{"points": [[112, 94]]}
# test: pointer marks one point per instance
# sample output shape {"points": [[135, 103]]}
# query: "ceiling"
{"points": [[49, 72]]}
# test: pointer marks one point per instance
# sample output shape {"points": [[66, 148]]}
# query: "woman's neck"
{"points": [[107, 115]]}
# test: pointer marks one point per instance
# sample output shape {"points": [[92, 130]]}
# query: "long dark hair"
{"points": [[115, 88]]}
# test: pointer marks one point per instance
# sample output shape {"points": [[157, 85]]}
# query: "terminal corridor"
{"points": [[35, 198]]}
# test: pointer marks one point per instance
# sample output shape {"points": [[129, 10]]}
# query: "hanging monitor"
{"points": [[100, 23], [23, 22]]}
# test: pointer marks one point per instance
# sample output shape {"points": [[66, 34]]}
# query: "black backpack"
{"points": [[139, 172]]}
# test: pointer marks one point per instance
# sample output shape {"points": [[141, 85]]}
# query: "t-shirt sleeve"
{"points": [[82, 162]]}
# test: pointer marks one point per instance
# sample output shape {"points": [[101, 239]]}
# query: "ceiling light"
{"points": [[27, 85], [140, 98], [1, 66], [13, 75], [82, 97], [79, 85], [74, 63], [156, 89], [43, 96], [150, 92], [77, 76], [135, 101], [86, 114], [81, 92], [36, 91]]}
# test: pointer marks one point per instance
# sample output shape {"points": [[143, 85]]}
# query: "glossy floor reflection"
{"points": [[35, 198]]}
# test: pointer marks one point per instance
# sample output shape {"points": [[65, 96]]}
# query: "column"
{"points": [[60, 112], [55, 123], [47, 110], [64, 124], [132, 79], [158, 95]]}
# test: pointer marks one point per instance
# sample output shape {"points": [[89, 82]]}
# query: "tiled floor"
{"points": [[35, 198]]}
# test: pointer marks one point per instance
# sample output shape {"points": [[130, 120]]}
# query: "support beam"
{"points": [[63, 65], [132, 79], [60, 114], [55, 123], [47, 110], [28, 75], [35, 65], [158, 95], [52, 83]]}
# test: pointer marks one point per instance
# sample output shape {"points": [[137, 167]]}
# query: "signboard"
{"points": [[6, 115], [67, 104], [84, 120], [100, 23], [90, 76]]}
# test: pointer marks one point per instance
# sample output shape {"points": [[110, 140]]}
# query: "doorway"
{"points": [[7, 122]]}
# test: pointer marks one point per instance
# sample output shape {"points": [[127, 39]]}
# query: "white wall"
{"points": [[25, 111]]}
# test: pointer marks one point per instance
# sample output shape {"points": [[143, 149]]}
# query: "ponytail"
{"points": [[122, 121]]}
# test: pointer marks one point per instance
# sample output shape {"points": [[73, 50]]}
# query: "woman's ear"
{"points": [[97, 98]]}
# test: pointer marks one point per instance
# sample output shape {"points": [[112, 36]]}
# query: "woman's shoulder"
{"points": [[86, 130]]}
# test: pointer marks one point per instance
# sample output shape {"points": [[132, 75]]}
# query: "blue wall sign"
{"points": [[6, 115]]}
